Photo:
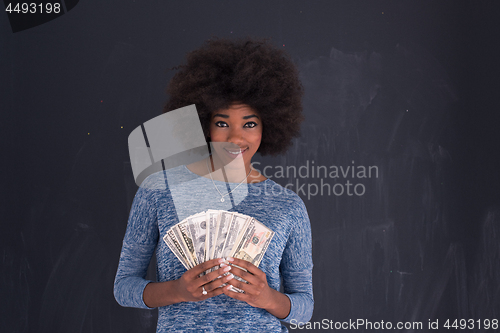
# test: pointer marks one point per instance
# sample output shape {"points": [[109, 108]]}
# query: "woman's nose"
{"points": [[235, 135]]}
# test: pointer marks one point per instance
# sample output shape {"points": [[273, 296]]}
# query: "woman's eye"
{"points": [[220, 124], [251, 124]]}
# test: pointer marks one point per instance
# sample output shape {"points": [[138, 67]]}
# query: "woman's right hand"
{"points": [[190, 285]]}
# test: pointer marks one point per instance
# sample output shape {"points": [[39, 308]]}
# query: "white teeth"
{"points": [[235, 152]]}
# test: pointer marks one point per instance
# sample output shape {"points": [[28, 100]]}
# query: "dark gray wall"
{"points": [[406, 86]]}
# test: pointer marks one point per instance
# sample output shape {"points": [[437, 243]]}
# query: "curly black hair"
{"points": [[249, 71]]}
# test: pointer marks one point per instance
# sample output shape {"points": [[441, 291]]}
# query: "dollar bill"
{"points": [[251, 246], [218, 234], [222, 229], [253, 243], [197, 226], [237, 225], [181, 233], [212, 217], [175, 247]]}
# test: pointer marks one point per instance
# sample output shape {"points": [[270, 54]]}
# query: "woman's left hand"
{"points": [[257, 292]]}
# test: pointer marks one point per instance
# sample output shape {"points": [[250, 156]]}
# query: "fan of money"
{"points": [[218, 234]]}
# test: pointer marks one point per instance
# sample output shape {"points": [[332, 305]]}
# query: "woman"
{"points": [[248, 97]]}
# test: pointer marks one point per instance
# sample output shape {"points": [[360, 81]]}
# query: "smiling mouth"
{"points": [[236, 152]]}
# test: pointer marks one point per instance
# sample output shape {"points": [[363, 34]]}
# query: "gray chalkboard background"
{"points": [[409, 88]]}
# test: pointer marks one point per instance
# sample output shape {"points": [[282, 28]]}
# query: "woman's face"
{"points": [[241, 127]]}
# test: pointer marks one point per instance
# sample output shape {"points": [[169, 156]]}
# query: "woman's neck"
{"points": [[233, 172]]}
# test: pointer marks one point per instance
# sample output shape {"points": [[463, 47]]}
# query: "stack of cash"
{"points": [[218, 234]]}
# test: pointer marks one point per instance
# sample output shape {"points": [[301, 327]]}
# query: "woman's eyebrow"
{"points": [[221, 115], [227, 116], [251, 116]]}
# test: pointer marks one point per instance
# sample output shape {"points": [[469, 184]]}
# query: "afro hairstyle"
{"points": [[249, 71]]}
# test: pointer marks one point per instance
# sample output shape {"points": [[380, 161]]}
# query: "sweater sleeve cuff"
{"points": [[143, 305], [299, 309], [131, 292]]}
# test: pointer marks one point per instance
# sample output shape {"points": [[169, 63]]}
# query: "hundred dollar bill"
{"points": [[237, 226], [189, 240], [218, 234], [174, 246], [224, 221], [184, 239], [197, 226], [212, 219]]}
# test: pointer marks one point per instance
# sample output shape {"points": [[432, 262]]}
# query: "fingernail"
{"points": [[227, 268], [223, 265], [221, 260], [230, 277], [229, 259]]}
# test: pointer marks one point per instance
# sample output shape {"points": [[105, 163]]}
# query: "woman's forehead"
{"points": [[236, 110]]}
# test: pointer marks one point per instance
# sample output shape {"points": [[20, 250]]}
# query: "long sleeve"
{"points": [[138, 246], [288, 260], [296, 267]]}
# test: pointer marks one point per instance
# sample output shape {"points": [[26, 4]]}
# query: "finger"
{"points": [[245, 264], [250, 278], [210, 292], [212, 289], [204, 279], [234, 294], [247, 288], [218, 283], [198, 269]]}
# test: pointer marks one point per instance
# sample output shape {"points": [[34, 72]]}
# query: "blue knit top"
{"points": [[166, 198]]}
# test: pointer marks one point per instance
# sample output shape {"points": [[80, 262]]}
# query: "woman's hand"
{"points": [[189, 287], [257, 292]]}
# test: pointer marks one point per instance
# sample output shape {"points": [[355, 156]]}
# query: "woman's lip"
{"points": [[242, 151]]}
